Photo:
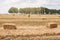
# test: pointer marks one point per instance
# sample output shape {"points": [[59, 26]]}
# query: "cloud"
{"points": [[53, 4], [6, 4]]}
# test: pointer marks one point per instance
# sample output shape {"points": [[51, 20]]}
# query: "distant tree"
{"points": [[13, 10], [46, 10], [25, 10], [53, 11], [58, 11], [39, 10]]}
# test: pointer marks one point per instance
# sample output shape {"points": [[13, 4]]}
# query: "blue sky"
{"points": [[6, 4]]}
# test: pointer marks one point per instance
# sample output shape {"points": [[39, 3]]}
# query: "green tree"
{"points": [[39, 10], [13, 10]]}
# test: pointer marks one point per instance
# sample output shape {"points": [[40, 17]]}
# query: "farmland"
{"points": [[33, 27], [30, 38]]}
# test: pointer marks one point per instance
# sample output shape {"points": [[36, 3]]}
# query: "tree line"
{"points": [[39, 10]]}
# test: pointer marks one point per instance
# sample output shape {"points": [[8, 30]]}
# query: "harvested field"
{"points": [[32, 27], [30, 38]]}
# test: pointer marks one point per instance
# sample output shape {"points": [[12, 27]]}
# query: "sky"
{"points": [[6, 4]]}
